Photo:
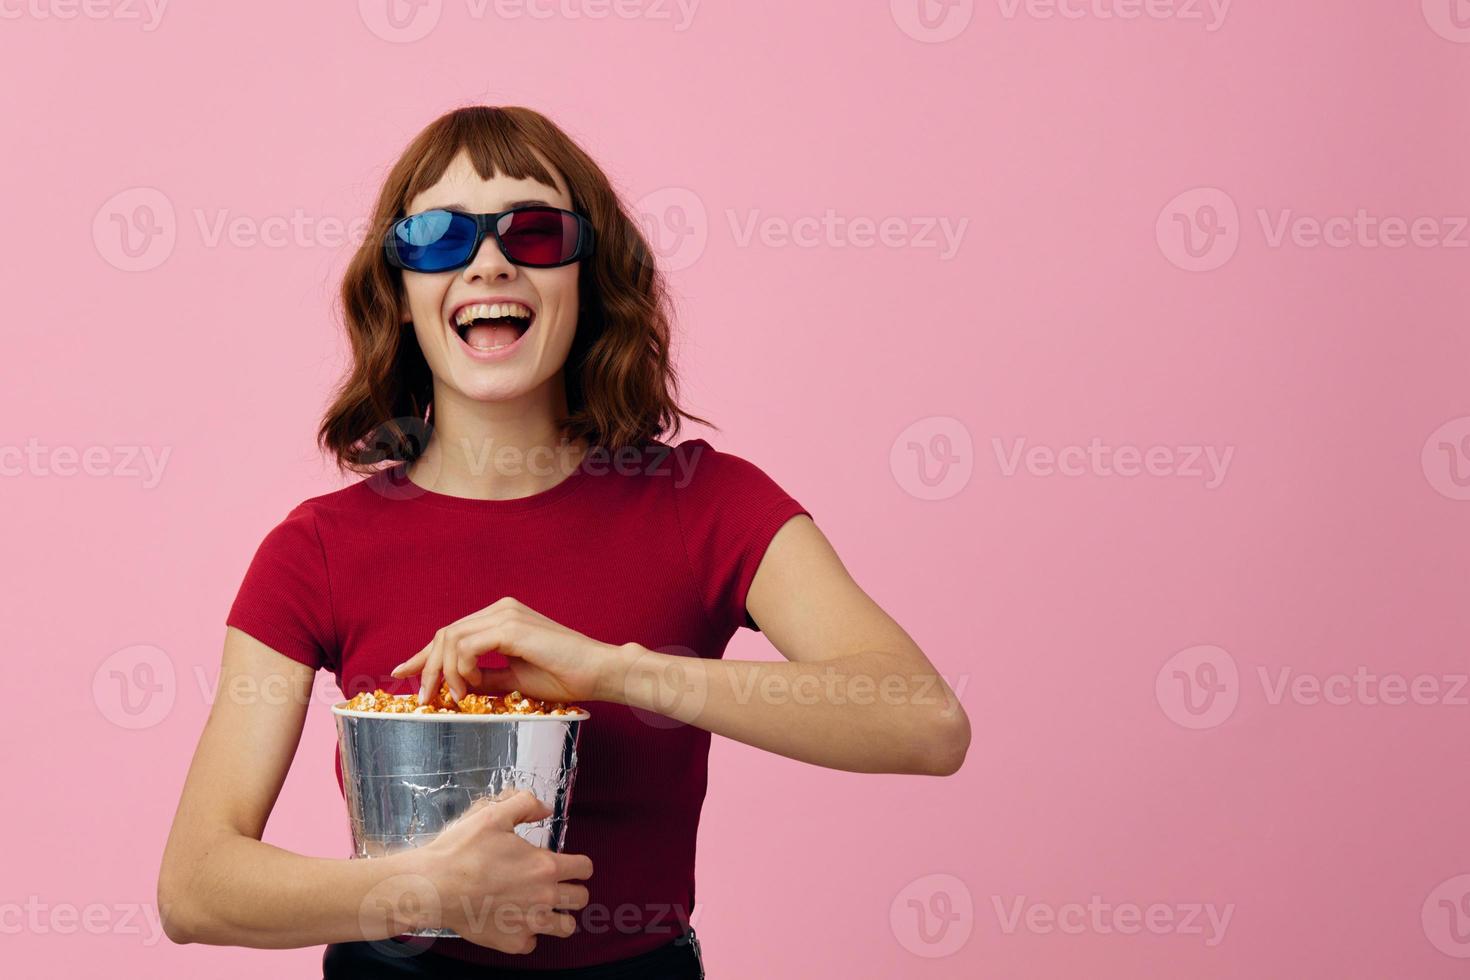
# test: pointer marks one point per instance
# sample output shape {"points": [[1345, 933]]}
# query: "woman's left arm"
{"points": [[856, 693]]}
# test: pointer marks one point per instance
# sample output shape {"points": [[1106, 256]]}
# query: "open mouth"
{"points": [[487, 327]]}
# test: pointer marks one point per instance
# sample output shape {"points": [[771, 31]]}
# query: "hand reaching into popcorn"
{"points": [[547, 660]]}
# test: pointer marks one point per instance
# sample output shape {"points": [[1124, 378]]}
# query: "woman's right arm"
{"points": [[220, 884]]}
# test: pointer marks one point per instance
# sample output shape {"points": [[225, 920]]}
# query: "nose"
{"points": [[489, 263]]}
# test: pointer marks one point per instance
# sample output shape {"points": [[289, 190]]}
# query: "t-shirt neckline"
{"points": [[399, 486]]}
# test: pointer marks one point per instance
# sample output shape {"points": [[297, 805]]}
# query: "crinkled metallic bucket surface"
{"points": [[407, 776]]}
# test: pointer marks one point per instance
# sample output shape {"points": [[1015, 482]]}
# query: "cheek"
{"points": [[423, 296], [559, 293]]}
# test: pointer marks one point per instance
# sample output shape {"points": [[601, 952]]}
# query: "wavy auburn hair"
{"points": [[621, 385]]}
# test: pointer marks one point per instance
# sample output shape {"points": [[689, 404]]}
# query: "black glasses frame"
{"points": [[487, 224]]}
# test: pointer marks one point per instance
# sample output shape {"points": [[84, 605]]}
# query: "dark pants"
{"points": [[677, 960]]}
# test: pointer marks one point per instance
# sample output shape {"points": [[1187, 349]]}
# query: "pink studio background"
{"points": [[883, 382]]}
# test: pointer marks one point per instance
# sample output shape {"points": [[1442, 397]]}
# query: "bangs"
{"points": [[495, 145]]}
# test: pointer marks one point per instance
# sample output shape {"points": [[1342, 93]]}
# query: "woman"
{"points": [[510, 360]]}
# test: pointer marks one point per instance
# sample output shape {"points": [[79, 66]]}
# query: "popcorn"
{"points": [[513, 703]]}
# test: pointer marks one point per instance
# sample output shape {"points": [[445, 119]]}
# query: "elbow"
{"points": [[175, 911], [176, 933], [946, 749]]}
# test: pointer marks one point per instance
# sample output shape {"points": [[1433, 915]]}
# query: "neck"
{"points": [[497, 450]]}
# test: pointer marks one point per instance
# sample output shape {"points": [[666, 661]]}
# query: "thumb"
{"points": [[522, 807]]}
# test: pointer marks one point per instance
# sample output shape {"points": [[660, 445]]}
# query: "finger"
{"points": [[491, 639], [477, 806], [450, 665], [573, 867], [523, 807], [479, 803], [552, 923], [542, 918], [429, 683], [475, 645], [496, 679], [460, 667], [470, 671], [572, 897], [412, 665], [486, 807]]}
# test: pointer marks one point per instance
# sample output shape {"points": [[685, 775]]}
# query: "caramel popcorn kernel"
{"points": [[513, 703]]}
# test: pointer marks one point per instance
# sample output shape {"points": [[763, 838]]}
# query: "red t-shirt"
{"points": [[657, 546]]}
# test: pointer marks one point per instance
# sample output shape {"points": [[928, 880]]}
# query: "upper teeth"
{"points": [[489, 311]]}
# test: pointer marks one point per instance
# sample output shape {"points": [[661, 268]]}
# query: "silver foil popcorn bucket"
{"points": [[408, 776]]}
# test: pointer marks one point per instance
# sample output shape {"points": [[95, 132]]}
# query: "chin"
{"points": [[492, 391], [492, 383]]}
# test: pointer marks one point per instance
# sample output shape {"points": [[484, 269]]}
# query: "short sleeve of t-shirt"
{"points": [[729, 510], [284, 600]]}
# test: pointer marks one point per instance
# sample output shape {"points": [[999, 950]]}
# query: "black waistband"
{"points": [[677, 960]]}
